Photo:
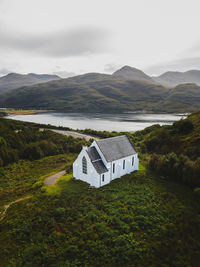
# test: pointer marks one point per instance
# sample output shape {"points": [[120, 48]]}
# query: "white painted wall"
{"points": [[92, 177], [95, 179], [119, 171], [106, 179]]}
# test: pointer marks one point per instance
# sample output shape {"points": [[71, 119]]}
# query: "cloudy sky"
{"points": [[70, 37]]}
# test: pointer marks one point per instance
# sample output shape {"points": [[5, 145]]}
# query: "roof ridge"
{"points": [[116, 147], [111, 137]]}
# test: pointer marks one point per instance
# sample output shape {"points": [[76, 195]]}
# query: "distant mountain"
{"points": [[173, 78], [15, 80], [182, 98], [95, 92], [92, 92], [169, 79], [133, 74]]}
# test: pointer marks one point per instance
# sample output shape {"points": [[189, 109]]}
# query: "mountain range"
{"points": [[15, 80], [126, 90], [133, 74], [169, 78], [173, 78]]}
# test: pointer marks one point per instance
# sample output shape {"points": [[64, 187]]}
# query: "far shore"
{"points": [[8, 112]]}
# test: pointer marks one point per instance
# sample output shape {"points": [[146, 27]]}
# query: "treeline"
{"points": [[102, 134], [174, 151], [22, 141], [177, 167], [107, 134]]}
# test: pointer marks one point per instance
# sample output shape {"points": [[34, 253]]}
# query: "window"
{"points": [[113, 167], [84, 165], [132, 161], [123, 164], [103, 178]]}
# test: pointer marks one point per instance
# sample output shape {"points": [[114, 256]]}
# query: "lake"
{"points": [[99, 121]]}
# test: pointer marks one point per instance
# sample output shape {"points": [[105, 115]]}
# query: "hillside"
{"points": [[91, 92], [169, 78], [94, 92], [141, 219], [174, 150], [15, 80], [133, 74], [173, 78], [182, 98]]}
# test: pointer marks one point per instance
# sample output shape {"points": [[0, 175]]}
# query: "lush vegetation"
{"points": [[20, 140], [24, 176], [174, 151], [138, 220], [147, 218], [103, 93]]}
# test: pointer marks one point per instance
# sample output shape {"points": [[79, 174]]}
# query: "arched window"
{"points": [[84, 165]]}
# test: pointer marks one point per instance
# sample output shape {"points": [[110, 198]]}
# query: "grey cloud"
{"points": [[111, 67], [176, 65], [76, 42], [194, 50]]}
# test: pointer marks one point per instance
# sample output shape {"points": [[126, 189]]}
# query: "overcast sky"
{"points": [[76, 36]]}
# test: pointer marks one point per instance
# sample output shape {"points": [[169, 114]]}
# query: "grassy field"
{"points": [[22, 111], [25, 176], [138, 220]]}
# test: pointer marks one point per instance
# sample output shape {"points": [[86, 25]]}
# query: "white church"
{"points": [[106, 160]]}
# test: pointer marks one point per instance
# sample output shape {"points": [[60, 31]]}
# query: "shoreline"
{"points": [[23, 112], [8, 112]]}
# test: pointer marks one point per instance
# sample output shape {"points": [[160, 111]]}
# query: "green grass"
{"points": [[137, 220], [57, 188], [25, 176]]}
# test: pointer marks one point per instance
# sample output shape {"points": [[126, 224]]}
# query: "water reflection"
{"points": [[99, 121]]}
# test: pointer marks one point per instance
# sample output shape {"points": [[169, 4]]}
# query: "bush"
{"points": [[176, 167], [197, 191], [184, 126]]}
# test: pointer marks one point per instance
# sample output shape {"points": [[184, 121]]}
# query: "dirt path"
{"points": [[3, 214], [71, 133], [53, 178]]}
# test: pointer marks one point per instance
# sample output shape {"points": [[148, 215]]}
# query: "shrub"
{"points": [[184, 126], [197, 191]]}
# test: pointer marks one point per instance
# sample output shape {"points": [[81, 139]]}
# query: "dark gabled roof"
{"points": [[93, 154], [116, 147], [96, 160], [99, 166]]}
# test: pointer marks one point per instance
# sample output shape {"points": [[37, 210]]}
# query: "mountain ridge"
{"points": [[133, 74], [173, 78], [14, 80], [95, 92]]}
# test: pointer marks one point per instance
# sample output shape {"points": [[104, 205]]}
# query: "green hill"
{"points": [[142, 219], [91, 92], [15, 80], [183, 98], [174, 150], [94, 92]]}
